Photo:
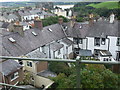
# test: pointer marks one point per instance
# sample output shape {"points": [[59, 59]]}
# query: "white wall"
{"points": [[113, 47], [91, 46]]}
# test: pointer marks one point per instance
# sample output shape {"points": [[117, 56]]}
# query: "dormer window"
{"points": [[34, 33], [50, 29], [11, 40]]}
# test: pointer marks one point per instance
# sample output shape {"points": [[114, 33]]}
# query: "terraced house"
{"points": [[62, 40]]}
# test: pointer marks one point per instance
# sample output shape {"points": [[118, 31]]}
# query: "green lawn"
{"points": [[109, 5]]}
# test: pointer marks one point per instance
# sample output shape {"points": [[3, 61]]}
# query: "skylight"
{"points": [[50, 29], [80, 26], [11, 39], [34, 33]]}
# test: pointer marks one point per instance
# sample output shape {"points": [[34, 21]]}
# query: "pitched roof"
{"points": [[104, 28], [29, 42], [9, 66], [56, 46], [78, 30], [67, 41]]}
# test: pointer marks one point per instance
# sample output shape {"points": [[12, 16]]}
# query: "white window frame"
{"points": [[96, 42], [16, 75], [103, 41], [118, 41]]}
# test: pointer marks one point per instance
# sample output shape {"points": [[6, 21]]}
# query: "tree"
{"points": [[92, 76]]}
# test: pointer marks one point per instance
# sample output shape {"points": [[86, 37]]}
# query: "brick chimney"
{"points": [[72, 21], [16, 27], [91, 19], [38, 23], [60, 21]]}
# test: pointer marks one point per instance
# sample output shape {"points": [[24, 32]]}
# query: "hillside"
{"points": [[109, 5]]}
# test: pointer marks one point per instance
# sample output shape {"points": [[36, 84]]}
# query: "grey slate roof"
{"points": [[56, 46], [104, 28], [76, 31], [9, 66], [29, 42], [47, 73], [5, 25], [84, 52], [67, 41]]}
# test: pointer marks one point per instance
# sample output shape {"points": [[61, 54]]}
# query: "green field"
{"points": [[109, 5]]}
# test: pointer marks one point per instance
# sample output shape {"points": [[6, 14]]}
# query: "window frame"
{"points": [[103, 41], [29, 64], [118, 42], [95, 43], [15, 76]]}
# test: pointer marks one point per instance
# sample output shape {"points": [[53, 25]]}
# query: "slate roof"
{"points": [[25, 13], [9, 66], [76, 31], [56, 46], [104, 28], [5, 25], [29, 42], [11, 16], [47, 73], [84, 52], [67, 41]]}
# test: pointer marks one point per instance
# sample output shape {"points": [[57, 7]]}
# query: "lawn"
{"points": [[109, 5]]}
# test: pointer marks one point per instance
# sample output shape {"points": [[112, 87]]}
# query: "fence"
{"points": [[78, 61]]}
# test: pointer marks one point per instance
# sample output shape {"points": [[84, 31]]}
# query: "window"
{"points": [[81, 40], [12, 40], [59, 52], [14, 76], [77, 40], [118, 56], [29, 63], [43, 49], [97, 41], [34, 33], [103, 41], [118, 41]]}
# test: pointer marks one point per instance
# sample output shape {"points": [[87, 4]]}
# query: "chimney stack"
{"points": [[72, 21], [38, 23], [16, 27], [91, 19], [112, 18], [60, 21]]}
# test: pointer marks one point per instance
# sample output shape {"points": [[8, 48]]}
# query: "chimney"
{"points": [[60, 21], [91, 19], [17, 23], [112, 18], [38, 23], [72, 21], [19, 29], [15, 27]]}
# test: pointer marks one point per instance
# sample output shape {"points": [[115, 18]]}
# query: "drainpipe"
{"points": [[49, 52], [86, 43], [108, 44]]}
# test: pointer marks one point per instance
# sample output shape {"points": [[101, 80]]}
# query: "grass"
{"points": [[108, 5]]}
